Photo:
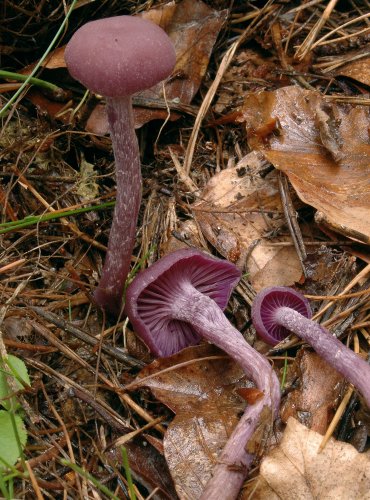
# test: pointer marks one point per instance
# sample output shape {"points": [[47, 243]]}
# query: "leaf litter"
{"points": [[295, 467], [202, 394], [291, 102], [314, 143]]}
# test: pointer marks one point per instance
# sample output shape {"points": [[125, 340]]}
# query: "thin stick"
{"points": [[351, 284], [213, 88], [321, 40], [308, 42], [338, 297], [35, 486], [205, 105], [130, 435], [336, 418], [9, 267], [85, 337], [291, 219]]}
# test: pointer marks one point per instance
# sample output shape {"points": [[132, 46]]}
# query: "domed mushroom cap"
{"points": [[267, 302], [150, 296], [119, 56]]}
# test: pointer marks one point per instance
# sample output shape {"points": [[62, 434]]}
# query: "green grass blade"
{"points": [[126, 466], [32, 220], [38, 65], [89, 477], [34, 81], [285, 370]]}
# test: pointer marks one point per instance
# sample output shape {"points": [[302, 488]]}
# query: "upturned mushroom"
{"points": [[117, 57], [176, 302], [278, 311]]}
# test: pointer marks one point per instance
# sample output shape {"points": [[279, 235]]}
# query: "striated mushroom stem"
{"points": [[278, 311], [343, 359], [117, 57], [199, 310], [128, 177], [176, 302]]}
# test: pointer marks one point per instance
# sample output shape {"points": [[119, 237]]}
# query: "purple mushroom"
{"points": [[278, 311], [116, 57], [179, 300]]}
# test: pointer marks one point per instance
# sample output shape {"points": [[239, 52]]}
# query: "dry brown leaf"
{"points": [[193, 28], [248, 70], [97, 122], [324, 148], [357, 69], [48, 106], [238, 212], [207, 407], [148, 466], [187, 234], [295, 470], [313, 403], [54, 60]]}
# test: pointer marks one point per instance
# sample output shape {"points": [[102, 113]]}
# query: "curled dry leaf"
{"points": [[324, 149], [187, 234], [240, 211], [193, 28], [203, 395], [16, 327], [295, 469], [358, 68]]}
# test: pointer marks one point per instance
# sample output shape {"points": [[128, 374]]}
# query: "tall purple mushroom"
{"points": [[116, 57], [278, 311], [179, 300]]}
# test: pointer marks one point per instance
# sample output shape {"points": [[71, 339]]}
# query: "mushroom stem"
{"points": [[208, 320], [344, 360], [108, 294]]}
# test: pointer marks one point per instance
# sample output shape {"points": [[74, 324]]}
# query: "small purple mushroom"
{"points": [[279, 311], [179, 300], [117, 57]]}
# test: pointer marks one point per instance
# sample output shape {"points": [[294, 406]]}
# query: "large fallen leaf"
{"points": [[241, 215], [324, 148], [295, 470], [203, 395], [312, 400]]}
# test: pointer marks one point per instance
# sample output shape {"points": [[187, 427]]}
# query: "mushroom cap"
{"points": [[150, 295], [267, 302], [119, 56]]}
